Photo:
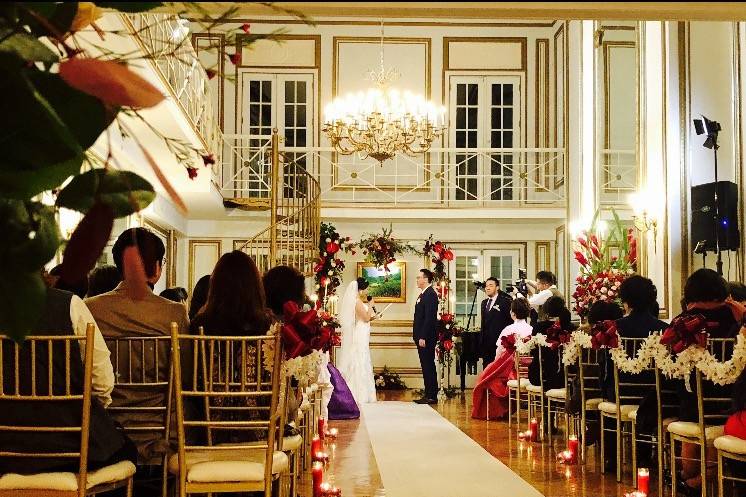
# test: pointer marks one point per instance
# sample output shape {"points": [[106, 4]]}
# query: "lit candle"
{"points": [[572, 445], [335, 492], [322, 457], [643, 480], [534, 430], [317, 471], [321, 429], [332, 433], [315, 444]]}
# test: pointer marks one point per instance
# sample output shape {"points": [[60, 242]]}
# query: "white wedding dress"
{"points": [[353, 358]]}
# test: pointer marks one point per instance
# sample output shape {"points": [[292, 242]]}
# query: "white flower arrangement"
{"points": [[538, 340], [305, 369], [571, 350]]}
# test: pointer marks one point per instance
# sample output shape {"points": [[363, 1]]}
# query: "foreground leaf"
{"points": [[132, 7], [124, 191], [26, 183], [30, 235], [55, 15], [26, 47], [86, 243], [23, 302], [134, 274], [114, 83]]}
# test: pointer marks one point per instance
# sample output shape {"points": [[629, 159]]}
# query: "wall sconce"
{"points": [[645, 214]]}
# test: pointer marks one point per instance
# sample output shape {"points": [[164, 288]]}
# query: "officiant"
{"points": [[495, 316]]}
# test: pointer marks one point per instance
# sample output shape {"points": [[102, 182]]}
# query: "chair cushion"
{"points": [[610, 408], [514, 383], [632, 415], [67, 481], [239, 464], [533, 388], [729, 443], [556, 393], [592, 404], [688, 429]]}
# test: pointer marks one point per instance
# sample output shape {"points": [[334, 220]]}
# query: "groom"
{"points": [[424, 334]]}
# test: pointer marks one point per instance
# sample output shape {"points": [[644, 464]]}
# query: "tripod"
{"points": [[712, 128], [462, 358]]}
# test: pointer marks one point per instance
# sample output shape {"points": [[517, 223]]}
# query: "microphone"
{"points": [[374, 307]]}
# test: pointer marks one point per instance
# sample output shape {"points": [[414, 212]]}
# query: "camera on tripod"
{"points": [[479, 285], [521, 286]]}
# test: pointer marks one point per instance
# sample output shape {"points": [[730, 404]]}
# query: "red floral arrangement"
{"points": [[686, 330], [306, 331], [447, 331], [557, 336], [508, 342], [605, 335], [601, 274], [382, 249], [439, 253], [329, 268]]}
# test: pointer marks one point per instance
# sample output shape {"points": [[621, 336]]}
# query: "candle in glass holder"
{"points": [[315, 444], [643, 480], [317, 472], [321, 457], [332, 433], [321, 429], [534, 429], [572, 446]]}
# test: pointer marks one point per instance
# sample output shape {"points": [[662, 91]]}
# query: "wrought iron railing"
{"points": [[161, 37]]}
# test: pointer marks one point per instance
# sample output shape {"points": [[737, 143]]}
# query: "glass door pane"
{"points": [[467, 270]]}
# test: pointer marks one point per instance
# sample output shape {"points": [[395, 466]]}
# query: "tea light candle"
{"points": [[315, 444], [317, 472], [322, 457], [572, 445], [321, 429], [643, 480]]}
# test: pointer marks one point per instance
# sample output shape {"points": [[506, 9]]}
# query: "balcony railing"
{"points": [[492, 177], [179, 67]]}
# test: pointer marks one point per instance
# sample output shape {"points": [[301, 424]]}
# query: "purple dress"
{"points": [[342, 404]]}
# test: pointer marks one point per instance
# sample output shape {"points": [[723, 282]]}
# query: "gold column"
{"points": [[274, 197]]}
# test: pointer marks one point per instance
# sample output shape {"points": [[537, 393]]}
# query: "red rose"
{"points": [[332, 248], [448, 255], [448, 345], [438, 247]]}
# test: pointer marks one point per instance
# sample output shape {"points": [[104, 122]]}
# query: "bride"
{"points": [[354, 355]]}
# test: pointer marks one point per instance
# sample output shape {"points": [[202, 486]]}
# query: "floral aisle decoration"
{"points": [[439, 254], [601, 274], [389, 380], [329, 267], [447, 331], [381, 249]]}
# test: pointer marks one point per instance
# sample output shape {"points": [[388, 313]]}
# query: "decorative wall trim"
{"points": [[317, 51], [542, 256], [392, 323], [193, 244], [541, 105], [221, 57], [169, 235]]}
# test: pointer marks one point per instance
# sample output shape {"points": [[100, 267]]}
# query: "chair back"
{"points": [[239, 391], [32, 374], [714, 401], [521, 362], [630, 389], [589, 375], [143, 365]]}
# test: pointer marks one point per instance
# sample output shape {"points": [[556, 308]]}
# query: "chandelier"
{"points": [[382, 121]]}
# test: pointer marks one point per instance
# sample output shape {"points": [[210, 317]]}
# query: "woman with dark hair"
{"points": [[79, 288], [283, 284], [706, 294], [553, 310], [103, 279], [199, 296], [493, 381], [235, 301], [176, 294]]}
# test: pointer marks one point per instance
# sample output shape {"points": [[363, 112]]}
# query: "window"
{"points": [[485, 112]]}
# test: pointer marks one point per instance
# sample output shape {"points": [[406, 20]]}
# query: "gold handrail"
{"points": [[293, 234]]}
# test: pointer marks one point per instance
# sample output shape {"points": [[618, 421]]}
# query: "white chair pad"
{"points": [[533, 388], [556, 393], [632, 415], [67, 481], [729, 443], [240, 464], [592, 404], [514, 383], [610, 408], [689, 429]]}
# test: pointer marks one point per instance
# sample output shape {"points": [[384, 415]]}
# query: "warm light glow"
{"points": [[314, 297]]}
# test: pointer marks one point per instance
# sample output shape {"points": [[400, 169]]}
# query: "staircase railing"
{"points": [[292, 236]]}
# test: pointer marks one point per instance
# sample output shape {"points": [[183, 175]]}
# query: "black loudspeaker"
{"points": [[703, 216]]}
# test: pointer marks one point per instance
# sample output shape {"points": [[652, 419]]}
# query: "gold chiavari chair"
{"points": [[590, 391], [628, 394], [536, 397], [733, 449], [244, 415], [712, 411], [557, 399], [153, 376], [27, 375], [517, 386]]}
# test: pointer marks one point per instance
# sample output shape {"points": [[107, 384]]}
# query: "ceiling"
{"points": [[713, 11]]}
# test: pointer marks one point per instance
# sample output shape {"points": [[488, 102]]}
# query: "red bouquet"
{"points": [[557, 336], [508, 342], [305, 331], [686, 330], [605, 335]]}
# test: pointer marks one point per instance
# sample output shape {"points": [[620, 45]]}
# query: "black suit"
{"points": [[424, 327], [494, 320]]}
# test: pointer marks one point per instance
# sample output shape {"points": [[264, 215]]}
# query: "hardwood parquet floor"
{"points": [[354, 470]]}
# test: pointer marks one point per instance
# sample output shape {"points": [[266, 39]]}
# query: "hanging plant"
{"points": [[382, 249]]}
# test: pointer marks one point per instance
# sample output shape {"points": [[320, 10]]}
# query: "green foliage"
{"points": [[125, 192], [131, 7]]}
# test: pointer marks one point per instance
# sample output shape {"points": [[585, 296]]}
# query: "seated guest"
{"points": [[283, 284], [120, 316], [175, 294], [79, 288], [705, 293], [63, 314], [553, 311], [737, 292], [103, 279], [199, 296], [495, 377]]}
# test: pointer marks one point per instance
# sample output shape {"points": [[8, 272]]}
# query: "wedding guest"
{"points": [[103, 279], [175, 294], [705, 293], [120, 316], [737, 292], [553, 311], [79, 288], [283, 284], [495, 377], [199, 296], [62, 314]]}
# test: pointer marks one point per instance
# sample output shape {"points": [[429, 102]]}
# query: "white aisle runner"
{"points": [[421, 454]]}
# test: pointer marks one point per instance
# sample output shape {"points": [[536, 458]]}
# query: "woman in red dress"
{"points": [[495, 377]]}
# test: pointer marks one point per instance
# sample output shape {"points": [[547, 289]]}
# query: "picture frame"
{"points": [[391, 288]]}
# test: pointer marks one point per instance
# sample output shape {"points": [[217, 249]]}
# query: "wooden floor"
{"points": [[354, 470]]}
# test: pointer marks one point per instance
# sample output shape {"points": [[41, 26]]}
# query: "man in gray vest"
{"points": [[541, 290]]}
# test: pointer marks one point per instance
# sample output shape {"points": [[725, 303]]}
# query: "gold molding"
{"points": [[415, 372], [170, 244], [546, 246], [392, 323], [459, 24], [221, 58], [562, 258], [287, 37], [684, 106], [393, 345], [447, 40], [665, 313], [403, 286], [561, 31], [193, 243], [541, 120], [737, 126], [427, 43]]}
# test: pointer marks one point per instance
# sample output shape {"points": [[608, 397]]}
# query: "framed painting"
{"points": [[385, 288]]}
